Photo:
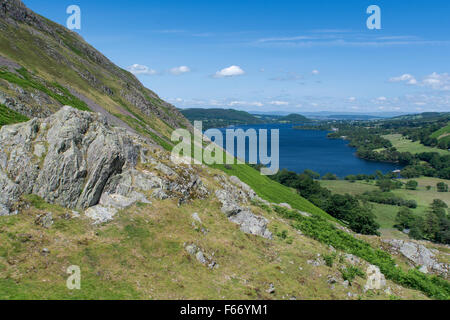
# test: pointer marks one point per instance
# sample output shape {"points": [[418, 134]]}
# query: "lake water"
{"points": [[311, 149]]}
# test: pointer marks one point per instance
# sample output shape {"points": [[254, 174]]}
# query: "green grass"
{"points": [[403, 144], [271, 190], [8, 116], [53, 90], [441, 132]]}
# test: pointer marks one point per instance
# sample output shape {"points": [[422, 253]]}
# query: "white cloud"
{"points": [[180, 70], [434, 81], [315, 72], [245, 104], [437, 81], [352, 99], [407, 78], [381, 98], [141, 69], [279, 103], [229, 72]]}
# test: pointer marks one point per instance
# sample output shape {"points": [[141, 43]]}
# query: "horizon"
{"points": [[305, 57]]}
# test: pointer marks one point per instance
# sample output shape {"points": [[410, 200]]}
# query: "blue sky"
{"points": [[298, 56]]}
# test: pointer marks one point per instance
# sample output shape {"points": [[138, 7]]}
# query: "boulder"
{"points": [[100, 214], [418, 255]]}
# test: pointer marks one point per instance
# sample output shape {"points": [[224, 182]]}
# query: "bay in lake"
{"points": [[311, 149]]}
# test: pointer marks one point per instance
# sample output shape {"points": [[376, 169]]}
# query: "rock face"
{"points": [[82, 154], [77, 160], [419, 255], [231, 197]]}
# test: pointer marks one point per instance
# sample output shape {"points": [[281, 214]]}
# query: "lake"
{"points": [[311, 149]]}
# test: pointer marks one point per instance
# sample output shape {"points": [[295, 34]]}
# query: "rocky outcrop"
{"points": [[418, 255], [231, 197], [77, 160]]}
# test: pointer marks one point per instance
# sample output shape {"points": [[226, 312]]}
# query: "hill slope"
{"points": [[44, 66]]}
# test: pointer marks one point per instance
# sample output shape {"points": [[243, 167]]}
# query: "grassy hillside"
{"points": [[8, 116], [148, 242], [441, 133]]}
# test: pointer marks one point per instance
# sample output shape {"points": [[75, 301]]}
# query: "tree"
{"points": [[312, 174], [329, 176], [412, 185], [442, 187], [405, 219], [431, 226], [385, 185], [438, 203]]}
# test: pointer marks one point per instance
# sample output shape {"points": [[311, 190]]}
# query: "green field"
{"points": [[386, 213], [403, 144]]}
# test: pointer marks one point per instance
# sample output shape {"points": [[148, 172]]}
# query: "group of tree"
{"points": [[387, 198], [346, 208], [434, 226]]}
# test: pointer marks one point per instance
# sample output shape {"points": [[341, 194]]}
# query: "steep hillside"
{"points": [[77, 191], [44, 66]]}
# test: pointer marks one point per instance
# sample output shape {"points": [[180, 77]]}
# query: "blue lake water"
{"points": [[311, 149]]}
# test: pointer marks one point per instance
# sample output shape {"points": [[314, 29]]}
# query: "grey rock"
{"points": [[332, 280], [251, 224], [244, 187], [160, 194], [191, 249], [200, 257], [352, 259], [305, 214], [317, 262], [9, 194], [45, 220], [285, 205], [100, 214], [115, 201], [419, 255], [195, 251], [271, 289], [196, 218]]}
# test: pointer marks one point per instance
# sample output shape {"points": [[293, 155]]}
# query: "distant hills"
{"points": [[218, 118]]}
